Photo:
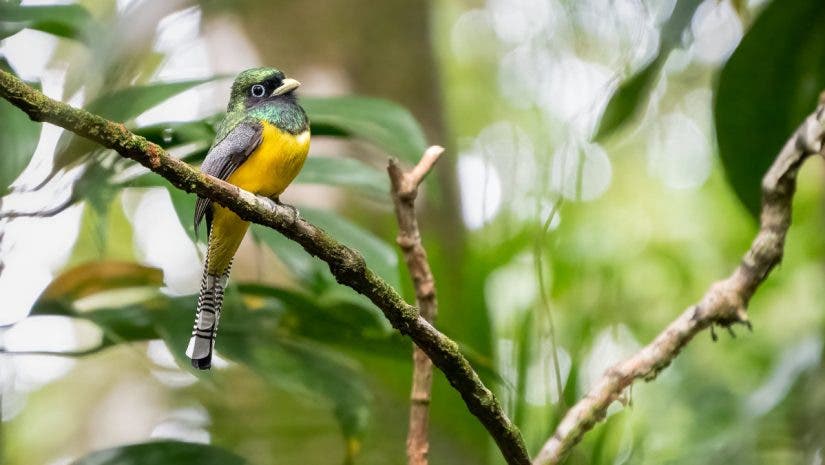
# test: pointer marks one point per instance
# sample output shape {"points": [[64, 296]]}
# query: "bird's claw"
{"points": [[296, 215]]}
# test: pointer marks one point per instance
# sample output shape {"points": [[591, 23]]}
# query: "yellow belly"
{"points": [[267, 171]]}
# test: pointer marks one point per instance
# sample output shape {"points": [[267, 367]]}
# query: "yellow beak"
{"points": [[287, 85]]}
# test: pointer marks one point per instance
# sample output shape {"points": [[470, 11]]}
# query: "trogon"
{"points": [[260, 146]]}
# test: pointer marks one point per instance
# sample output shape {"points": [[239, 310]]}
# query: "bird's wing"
{"points": [[226, 156]]}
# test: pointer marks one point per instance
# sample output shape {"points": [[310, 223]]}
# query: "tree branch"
{"points": [[347, 266], [404, 191], [724, 303]]}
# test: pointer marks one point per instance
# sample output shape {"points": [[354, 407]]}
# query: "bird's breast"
{"points": [[274, 164]]}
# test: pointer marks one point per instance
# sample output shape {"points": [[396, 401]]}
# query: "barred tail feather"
{"points": [[207, 316]]}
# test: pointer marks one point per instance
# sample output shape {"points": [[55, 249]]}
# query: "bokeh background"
{"points": [[602, 170]]}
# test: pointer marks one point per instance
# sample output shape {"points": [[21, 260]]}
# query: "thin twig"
{"points": [[724, 303], [44, 213], [544, 297], [55, 353], [404, 191], [346, 265]]}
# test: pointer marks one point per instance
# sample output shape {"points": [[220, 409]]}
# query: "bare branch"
{"points": [[347, 265], [724, 303], [404, 191]]}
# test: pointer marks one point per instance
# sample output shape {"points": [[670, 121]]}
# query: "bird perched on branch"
{"points": [[260, 146]]}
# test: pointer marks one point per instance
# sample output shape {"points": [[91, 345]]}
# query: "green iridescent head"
{"points": [[257, 86]]}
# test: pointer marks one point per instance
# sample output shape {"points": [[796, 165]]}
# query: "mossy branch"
{"points": [[347, 265]]}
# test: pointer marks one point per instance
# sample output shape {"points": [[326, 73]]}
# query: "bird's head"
{"points": [[258, 85]]}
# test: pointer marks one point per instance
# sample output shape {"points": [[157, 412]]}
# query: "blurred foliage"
{"points": [[70, 21], [632, 96], [162, 453], [316, 375], [18, 137], [758, 106]]}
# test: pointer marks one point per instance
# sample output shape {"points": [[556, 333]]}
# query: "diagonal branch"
{"points": [[404, 191], [724, 303], [346, 265]]}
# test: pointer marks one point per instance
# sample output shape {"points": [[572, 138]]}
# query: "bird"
{"points": [[260, 146]]}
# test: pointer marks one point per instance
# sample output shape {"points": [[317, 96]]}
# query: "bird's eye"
{"points": [[258, 90]]}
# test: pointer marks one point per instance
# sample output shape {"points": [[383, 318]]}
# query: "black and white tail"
{"points": [[206, 319]]}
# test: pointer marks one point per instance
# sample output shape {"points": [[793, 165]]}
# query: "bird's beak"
{"points": [[287, 85]]}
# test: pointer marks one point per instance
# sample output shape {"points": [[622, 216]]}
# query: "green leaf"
{"points": [[18, 138], [331, 321], [379, 255], [345, 172], [103, 218], [70, 21], [182, 201], [121, 105], [633, 94], [9, 29], [264, 340], [307, 269], [308, 368], [283, 344], [766, 89], [174, 134], [130, 102], [121, 324], [184, 204], [91, 278], [387, 125], [162, 453], [629, 98]]}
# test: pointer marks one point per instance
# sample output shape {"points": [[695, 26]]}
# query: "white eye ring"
{"points": [[258, 90]]}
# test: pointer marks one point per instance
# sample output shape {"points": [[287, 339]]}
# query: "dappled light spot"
{"points": [[575, 91], [717, 30], [18, 48], [32, 253], [168, 372], [580, 171], [184, 424], [521, 73], [510, 150], [610, 346], [480, 190], [519, 20], [628, 31], [542, 388], [50, 333], [472, 37], [679, 153], [12, 400], [125, 412], [161, 240], [511, 291], [179, 27]]}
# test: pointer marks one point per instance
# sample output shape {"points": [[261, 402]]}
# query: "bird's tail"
{"points": [[206, 319]]}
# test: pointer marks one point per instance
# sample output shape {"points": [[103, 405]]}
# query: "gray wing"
{"points": [[225, 157]]}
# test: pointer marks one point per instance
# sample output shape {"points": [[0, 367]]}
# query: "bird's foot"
{"points": [[295, 214]]}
